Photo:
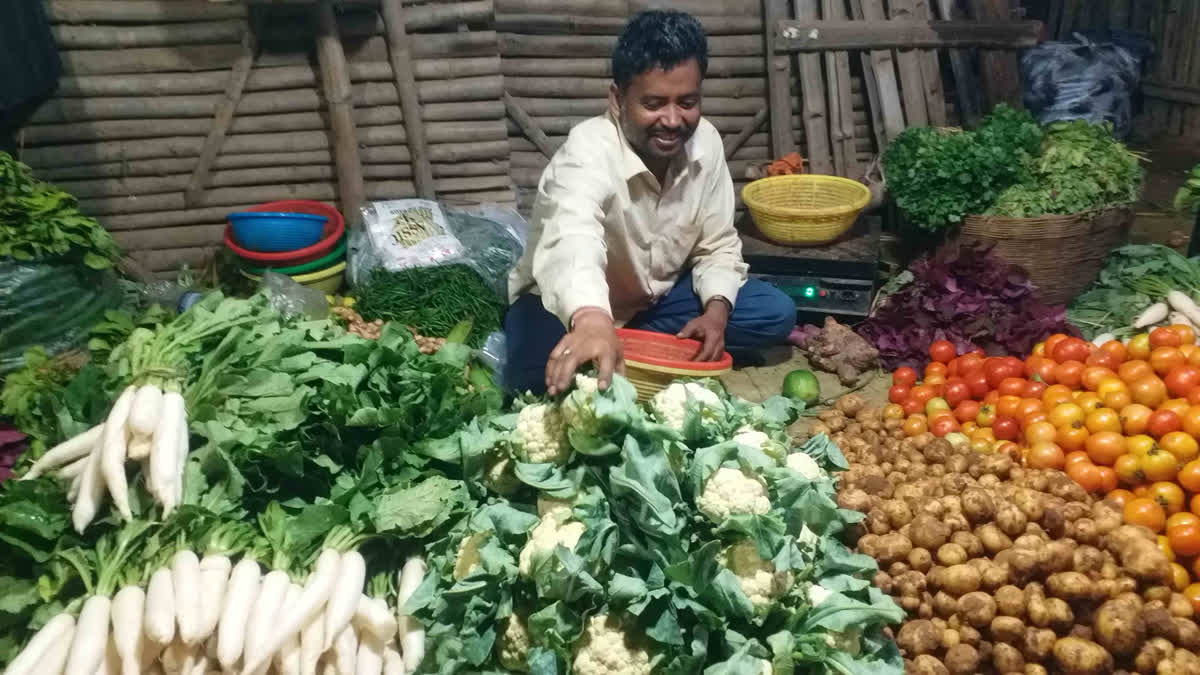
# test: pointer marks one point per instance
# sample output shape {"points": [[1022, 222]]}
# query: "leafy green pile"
{"points": [[1080, 167], [626, 544], [939, 176], [38, 221], [1134, 277], [1187, 198], [433, 300]]}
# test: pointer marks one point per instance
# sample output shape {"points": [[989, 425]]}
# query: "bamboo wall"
{"points": [[142, 79]]}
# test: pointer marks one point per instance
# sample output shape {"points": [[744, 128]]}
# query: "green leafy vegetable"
{"points": [[433, 300]]}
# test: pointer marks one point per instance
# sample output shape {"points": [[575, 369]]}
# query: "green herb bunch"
{"points": [[938, 176], [39, 221], [433, 300], [1187, 199]]}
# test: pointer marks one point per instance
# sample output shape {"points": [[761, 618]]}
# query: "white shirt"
{"points": [[605, 234]]}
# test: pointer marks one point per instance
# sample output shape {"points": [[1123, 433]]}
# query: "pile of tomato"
{"points": [[1121, 419]]}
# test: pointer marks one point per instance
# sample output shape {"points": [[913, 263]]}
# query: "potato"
{"points": [[956, 522], [1076, 656], [1072, 586], [920, 559], [1010, 601], [1022, 563], [1030, 503], [926, 665], [969, 542], [877, 486], [850, 405], [854, 499], [897, 512], [993, 539], [1107, 516], [977, 609], [928, 532], [977, 506], [876, 522], [1185, 661], [1053, 613], [1037, 644], [1007, 629], [1088, 560], [950, 638], [899, 567], [1075, 510], [1180, 606], [892, 548], [918, 637], [1010, 520], [951, 554], [969, 635], [883, 581], [868, 544], [962, 659], [1084, 531], [958, 580], [989, 481], [1007, 658], [995, 576], [909, 584], [1035, 669], [1158, 594], [1029, 541], [1118, 629], [1054, 522], [944, 604]]}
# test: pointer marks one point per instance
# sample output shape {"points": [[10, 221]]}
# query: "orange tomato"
{"points": [[1039, 349], [1102, 360], [943, 424], [991, 398], [1185, 539], [1169, 496], [1034, 417], [1138, 347], [967, 410], [943, 351], [1102, 419], [1164, 337], [1164, 545], [914, 425], [1180, 517], [1182, 379], [1108, 479], [1066, 414], [1189, 476], [1132, 371], [1072, 437], [1194, 358], [1187, 351], [1093, 374], [1011, 386], [1055, 394], [1121, 497], [1089, 401], [1145, 512], [1129, 470], [1192, 593], [1149, 391], [1191, 420], [1034, 389], [893, 411], [1194, 507], [1071, 349], [1187, 334], [1193, 396], [1141, 490], [1163, 422], [969, 426], [922, 393], [1087, 475], [1179, 406], [1046, 456], [1069, 373], [1163, 359], [1135, 417], [1040, 432], [1179, 577], [1105, 447], [1180, 444], [1051, 342], [1140, 445], [935, 368], [1008, 406], [987, 415], [1159, 465], [1076, 457], [1111, 385], [912, 406], [983, 434], [1117, 399], [1029, 406], [937, 381], [1115, 349]]}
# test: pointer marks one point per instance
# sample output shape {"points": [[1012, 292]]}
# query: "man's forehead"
{"points": [[680, 76]]}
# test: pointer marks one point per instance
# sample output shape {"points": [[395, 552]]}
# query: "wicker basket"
{"points": [[805, 209], [1062, 254], [654, 360]]}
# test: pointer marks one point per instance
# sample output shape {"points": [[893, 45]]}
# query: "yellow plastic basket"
{"points": [[805, 209], [654, 360]]}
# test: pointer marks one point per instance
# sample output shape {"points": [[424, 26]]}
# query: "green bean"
{"points": [[432, 300]]}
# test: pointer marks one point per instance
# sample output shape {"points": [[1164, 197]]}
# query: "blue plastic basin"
{"points": [[273, 232]]}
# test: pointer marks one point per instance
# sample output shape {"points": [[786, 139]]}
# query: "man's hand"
{"points": [[709, 328], [593, 338]]}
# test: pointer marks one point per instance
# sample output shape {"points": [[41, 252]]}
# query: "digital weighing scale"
{"points": [[836, 279]]}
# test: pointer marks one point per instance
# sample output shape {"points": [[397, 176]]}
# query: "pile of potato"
{"points": [[1005, 569]]}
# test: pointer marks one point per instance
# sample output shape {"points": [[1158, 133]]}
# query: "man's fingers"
{"points": [[691, 330], [605, 365]]}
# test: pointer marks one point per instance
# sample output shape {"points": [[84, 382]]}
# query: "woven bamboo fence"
{"points": [[143, 80]]}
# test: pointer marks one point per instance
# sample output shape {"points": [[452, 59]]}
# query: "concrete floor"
{"points": [[758, 383]]}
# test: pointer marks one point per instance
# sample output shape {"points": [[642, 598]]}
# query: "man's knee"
{"points": [[779, 313]]}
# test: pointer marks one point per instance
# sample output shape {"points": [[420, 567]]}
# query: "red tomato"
{"points": [[957, 391], [996, 370], [967, 411], [977, 383], [943, 425], [942, 351], [1006, 428], [1164, 337], [1071, 349], [904, 375], [912, 406], [1034, 389], [969, 363], [1069, 373], [899, 393], [1163, 422], [1011, 386], [1182, 379]]}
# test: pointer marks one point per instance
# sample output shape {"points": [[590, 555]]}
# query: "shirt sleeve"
{"points": [[717, 265], [570, 257]]}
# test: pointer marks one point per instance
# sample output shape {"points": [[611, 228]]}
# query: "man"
{"points": [[633, 225]]}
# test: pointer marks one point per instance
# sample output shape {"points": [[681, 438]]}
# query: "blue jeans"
{"points": [[762, 316]]}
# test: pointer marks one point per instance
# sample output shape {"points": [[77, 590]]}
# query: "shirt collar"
{"points": [[632, 165]]}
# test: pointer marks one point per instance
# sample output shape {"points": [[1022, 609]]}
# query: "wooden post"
{"points": [[778, 82], [884, 68], [912, 83], [224, 115], [335, 81], [406, 85], [931, 71], [840, 99], [1001, 73], [734, 143], [815, 113], [528, 126], [966, 84]]}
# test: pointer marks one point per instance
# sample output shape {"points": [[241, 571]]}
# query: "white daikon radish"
{"points": [[240, 596], [159, 623], [375, 617], [139, 447], [113, 448], [214, 577], [266, 612], [66, 452], [411, 633], [352, 572], [393, 662], [308, 606], [345, 651], [1099, 340], [91, 636], [1181, 303], [151, 651], [73, 490], [111, 663], [175, 657], [312, 644], [70, 471], [287, 657], [54, 659], [1152, 315], [56, 631], [164, 455], [147, 406], [185, 581], [91, 493], [128, 610], [182, 450], [369, 660]]}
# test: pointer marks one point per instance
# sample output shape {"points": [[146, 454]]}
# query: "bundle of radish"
{"points": [[199, 614]]}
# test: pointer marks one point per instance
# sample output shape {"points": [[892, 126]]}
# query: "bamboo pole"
{"points": [[121, 37], [557, 23], [265, 79], [224, 114], [406, 85], [626, 8], [139, 11], [335, 83], [188, 236], [527, 125], [553, 87], [883, 65], [733, 143], [931, 71], [816, 112], [513, 44], [360, 24], [718, 66]]}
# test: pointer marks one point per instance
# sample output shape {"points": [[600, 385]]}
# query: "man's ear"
{"points": [[614, 99]]}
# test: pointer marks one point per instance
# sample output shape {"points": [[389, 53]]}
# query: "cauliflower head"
{"points": [[670, 405], [513, 644], [578, 408], [541, 435], [606, 649], [500, 478], [552, 505], [468, 554], [805, 465], [759, 440], [758, 578], [554, 529], [730, 491]]}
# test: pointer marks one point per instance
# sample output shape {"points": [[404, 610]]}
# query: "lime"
{"points": [[802, 385]]}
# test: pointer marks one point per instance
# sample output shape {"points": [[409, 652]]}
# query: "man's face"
{"points": [[660, 110]]}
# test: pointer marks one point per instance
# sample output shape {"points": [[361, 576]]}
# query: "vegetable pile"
{"points": [[1004, 568], [967, 295], [433, 300], [1140, 287], [1187, 198]]}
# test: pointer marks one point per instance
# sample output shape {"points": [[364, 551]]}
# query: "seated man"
{"points": [[633, 225]]}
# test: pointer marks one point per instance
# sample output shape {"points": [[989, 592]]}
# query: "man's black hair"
{"points": [[658, 39]]}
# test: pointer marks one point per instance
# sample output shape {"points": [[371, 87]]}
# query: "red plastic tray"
{"points": [[667, 351], [334, 228]]}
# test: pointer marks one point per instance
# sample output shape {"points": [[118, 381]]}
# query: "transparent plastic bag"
{"points": [[494, 355], [291, 298]]}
